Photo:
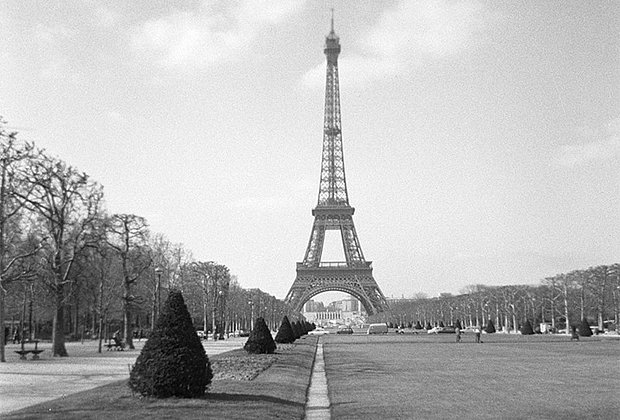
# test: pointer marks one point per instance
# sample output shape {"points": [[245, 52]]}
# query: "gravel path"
{"points": [[26, 382]]}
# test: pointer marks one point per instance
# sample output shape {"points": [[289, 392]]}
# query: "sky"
{"points": [[481, 138]]}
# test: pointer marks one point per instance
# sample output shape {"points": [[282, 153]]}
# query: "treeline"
{"points": [[561, 301], [68, 267]]}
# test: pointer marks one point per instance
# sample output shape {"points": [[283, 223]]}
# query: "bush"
{"points": [[173, 361], [527, 329], [457, 324], [296, 329], [428, 326], [441, 324], [260, 340], [285, 332], [490, 328], [584, 328]]}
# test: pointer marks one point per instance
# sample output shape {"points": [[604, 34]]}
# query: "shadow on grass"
{"points": [[220, 396]]}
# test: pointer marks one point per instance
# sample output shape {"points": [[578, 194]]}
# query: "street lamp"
{"points": [[158, 270], [213, 322]]}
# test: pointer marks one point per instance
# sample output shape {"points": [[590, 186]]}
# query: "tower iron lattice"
{"points": [[333, 212]]}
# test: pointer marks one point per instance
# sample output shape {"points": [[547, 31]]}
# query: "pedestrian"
{"points": [[477, 332], [458, 334]]}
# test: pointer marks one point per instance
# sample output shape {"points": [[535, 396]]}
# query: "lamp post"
{"points": [[158, 270], [216, 299]]}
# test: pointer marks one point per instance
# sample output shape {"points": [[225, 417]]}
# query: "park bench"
{"points": [[35, 352], [117, 344]]}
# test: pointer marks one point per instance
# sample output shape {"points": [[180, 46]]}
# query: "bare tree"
{"points": [[599, 279], [14, 157], [127, 236], [66, 202]]}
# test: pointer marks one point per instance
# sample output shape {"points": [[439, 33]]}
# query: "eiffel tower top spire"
{"points": [[333, 185]]}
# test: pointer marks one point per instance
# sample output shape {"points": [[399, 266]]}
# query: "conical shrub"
{"points": [[418, 326], [296, 329], [172, 362], [458, 325], [527, 329], [584, 328], [490, 328], [285, 332], [260, 340]]}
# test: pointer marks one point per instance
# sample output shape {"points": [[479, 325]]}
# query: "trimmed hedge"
{"points": [[296, 329], [490, 328], [172, 362], [584, 328], [527, 329], [260, 340], [285, 333]]}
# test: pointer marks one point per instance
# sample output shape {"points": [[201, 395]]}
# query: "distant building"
{"points": [[346, 311], [312, 306]]}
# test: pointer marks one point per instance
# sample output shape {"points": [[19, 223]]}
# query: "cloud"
{"points": [[52, 41], [51, 35], [595, 146], [217, 32], [105, 17], [407, 36]]}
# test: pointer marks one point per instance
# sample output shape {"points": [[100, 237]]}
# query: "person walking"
{"points": [[458, 334], [477, 332]]}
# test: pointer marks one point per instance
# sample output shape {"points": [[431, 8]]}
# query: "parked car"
{"points": [[442, 330], [447, 330], [244, 333], [201, 334], [377, 329], [344, 330], [318, 331]]}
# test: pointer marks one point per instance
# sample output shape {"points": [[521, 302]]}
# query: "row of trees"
{"points": [[561, 301], [64, 258]]}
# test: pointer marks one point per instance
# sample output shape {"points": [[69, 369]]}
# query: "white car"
{"points": [[318, 331]]}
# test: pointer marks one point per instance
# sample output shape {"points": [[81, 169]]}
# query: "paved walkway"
{"points": [[26, 382], [317, 406]]}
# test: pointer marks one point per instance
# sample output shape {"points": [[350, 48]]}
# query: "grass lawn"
{"points": [[278, 392], [508, 377]]}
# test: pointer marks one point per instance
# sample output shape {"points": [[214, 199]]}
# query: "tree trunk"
{"points": [[100, 335], [58, 331], [2, 336], [127, 333], [615, 294], [568, 332], [601, 304], [553, 313]]}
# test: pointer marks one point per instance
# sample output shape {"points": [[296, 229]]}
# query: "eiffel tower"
{"points": [[333, 212]]}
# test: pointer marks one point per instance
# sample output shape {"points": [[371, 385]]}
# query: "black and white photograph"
{"points": [[310, 209]]}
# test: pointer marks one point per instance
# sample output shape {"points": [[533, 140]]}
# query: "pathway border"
{"points": [[318, 405]]}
